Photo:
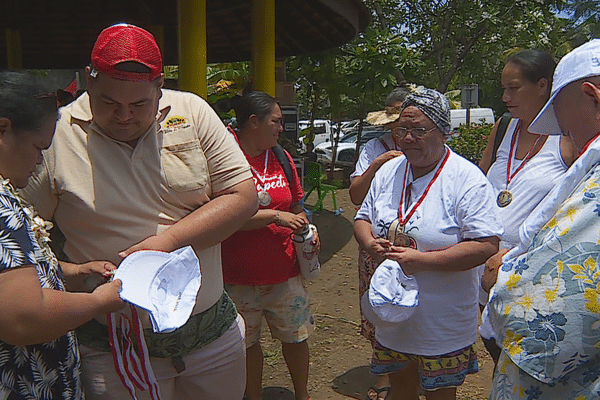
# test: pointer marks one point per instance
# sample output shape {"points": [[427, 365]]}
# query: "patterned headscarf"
{"points": [[433, 104]]}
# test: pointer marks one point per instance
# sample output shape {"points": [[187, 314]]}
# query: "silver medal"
{"points": [[264, 198]]}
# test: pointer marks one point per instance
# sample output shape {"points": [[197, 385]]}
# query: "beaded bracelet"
{"points": [[277, 219]]}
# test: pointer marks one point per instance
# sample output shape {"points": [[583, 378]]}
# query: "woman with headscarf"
{"points": [[432, 213]]}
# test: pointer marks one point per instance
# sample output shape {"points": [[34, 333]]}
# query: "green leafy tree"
{"points": [[224, 81], [439, 44], [467, 41], [351, 81], [371, 65], [584, 20], [310, 77], [539, 28]]}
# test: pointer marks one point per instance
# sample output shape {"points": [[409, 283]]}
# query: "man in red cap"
{"points": [[137, 167]]}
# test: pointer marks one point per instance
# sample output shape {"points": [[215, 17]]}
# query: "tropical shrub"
{"points": [[470, 141]]}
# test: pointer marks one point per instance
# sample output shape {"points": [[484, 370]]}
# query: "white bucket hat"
{"points": [[580, 63], [393, 296], [164, 284]]}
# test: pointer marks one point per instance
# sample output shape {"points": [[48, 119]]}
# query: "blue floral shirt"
{"points": [[545, 306], [42, 371]]}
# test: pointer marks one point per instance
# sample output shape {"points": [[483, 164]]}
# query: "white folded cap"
{"points": [[164, 284], [370, 315], [393, 296]]}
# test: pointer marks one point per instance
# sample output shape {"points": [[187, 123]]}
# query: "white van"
{"points": [[323, 129], [476, 116]]}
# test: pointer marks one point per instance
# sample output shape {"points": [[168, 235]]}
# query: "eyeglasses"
{"points": [[401, 131]]}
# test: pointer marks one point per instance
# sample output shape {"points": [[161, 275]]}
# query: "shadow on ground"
{"points": [[277, 393], [335, 231], [355, 382]]}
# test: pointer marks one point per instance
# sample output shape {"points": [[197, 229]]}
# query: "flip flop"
{"points": [[378, 391]]}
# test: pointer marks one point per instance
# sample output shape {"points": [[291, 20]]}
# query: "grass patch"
{"points": [[272, 357]]}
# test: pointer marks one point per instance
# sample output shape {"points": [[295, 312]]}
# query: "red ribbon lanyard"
{"points": [[260, 179], [588, 144], [403, 221], [133, 368], [513, 146]]}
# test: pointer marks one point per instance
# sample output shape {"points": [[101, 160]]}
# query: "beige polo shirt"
{"points": [[106, 195]]}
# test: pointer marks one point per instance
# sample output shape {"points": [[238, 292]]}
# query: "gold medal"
{"points": [[398, 237], [264, 198], [405, 240], [504, 198]]}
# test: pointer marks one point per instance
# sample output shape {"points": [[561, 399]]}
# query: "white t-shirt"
{"points": [[373, 149], [529, 186], [460, 205]]}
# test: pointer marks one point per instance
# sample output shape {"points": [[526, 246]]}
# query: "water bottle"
{"points": [[307, 252]]}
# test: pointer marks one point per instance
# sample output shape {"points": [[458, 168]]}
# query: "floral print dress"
{"points": [[546, 306], [42, 371]]}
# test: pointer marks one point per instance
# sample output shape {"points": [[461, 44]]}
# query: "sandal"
{"points": [[378, 392]]}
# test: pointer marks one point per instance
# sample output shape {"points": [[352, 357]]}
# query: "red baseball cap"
{"points": [[121, 43]]}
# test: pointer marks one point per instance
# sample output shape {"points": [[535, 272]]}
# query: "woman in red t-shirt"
{"points": [[260, 267]]}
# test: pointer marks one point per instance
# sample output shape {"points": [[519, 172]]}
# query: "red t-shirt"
{"points": [[267, 255]]}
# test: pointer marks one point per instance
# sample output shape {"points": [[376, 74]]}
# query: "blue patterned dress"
{"points": [[42, 371], [546, 306]]}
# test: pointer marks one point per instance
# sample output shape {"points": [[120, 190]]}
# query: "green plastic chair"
{"points": [[314, 179]]}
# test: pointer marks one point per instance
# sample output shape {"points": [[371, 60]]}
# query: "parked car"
{"points": [[322, 128], [349, 126], [347, 146], [476, 115]]}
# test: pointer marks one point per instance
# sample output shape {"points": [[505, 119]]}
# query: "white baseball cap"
{"points": [[164, 284], [582, 62], [370, 315], [393, 296]]}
